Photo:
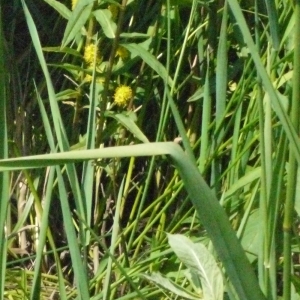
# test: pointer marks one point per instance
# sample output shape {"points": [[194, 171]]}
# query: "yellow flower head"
{"points": [[88, 78], [123, 95], [122, 52], [114, 9], [89, 53], [74, 2]]}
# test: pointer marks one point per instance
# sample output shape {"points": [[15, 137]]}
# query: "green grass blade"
{"points": [[221, 74], [293, 164], [208, 208], [45, 160], [221, 95], [57, 120], [114, 237], [138, 50], [36, 282], [77, 20], [150, 59], [180, 126], [127, 121], [273, 23], [81, 278], [4, 177], [277, 106], [219, 229], [79, 270], [206, 120], [183, 49], [88, 166], [60, 131], [45, 215]]}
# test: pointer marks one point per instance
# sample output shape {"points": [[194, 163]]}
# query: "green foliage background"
{"points": [[89, 215]]}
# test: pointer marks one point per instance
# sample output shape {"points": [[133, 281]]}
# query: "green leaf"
{"points": [[4, 177], [77, 20], [296, 282], [103, 16], [250, 237], [200, 261], [79, 270], [211, 214], [277, 106], [60, 8], [247, 179], [151, 60], [66, 50], [134, 35], [199, 93], [169, 285], [66, 95], [127, 121], [273, 21]]}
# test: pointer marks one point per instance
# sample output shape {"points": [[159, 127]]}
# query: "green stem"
{"points": [[103, 102], [4, 177], [293, 165], [78, 103]]}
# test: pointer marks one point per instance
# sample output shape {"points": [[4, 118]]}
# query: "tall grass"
{"points": [[92, 186], [4, 176]]}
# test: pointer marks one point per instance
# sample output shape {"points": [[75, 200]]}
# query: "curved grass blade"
{"points": [[138, 50], [127, 121], [211, 214]]}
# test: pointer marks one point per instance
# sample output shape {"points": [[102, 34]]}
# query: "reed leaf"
{"points": [[4, 176], [207, 206]]}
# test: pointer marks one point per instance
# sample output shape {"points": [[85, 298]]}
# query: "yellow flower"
{"points": [[123, 95], [88, 78], [89, 53], [114, 9], [122, 52], [74, 2]]}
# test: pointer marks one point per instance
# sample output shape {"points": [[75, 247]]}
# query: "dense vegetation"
{"points": [[114, 114]]}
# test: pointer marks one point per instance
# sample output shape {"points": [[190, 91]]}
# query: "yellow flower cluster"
{"points": [[89, 53], [122, 52], [88, 78], [74, 2], [123, 95]]}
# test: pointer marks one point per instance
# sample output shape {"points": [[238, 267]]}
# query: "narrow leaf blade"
{"points": [[103, 16]]}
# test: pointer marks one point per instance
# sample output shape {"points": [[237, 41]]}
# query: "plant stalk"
{"points": [[293, 164]]}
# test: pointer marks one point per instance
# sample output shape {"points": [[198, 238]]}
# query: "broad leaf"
{"points": [[200, 261]]}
